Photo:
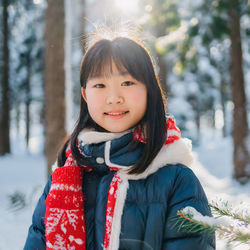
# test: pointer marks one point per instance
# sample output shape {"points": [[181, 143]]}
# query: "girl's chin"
{"points": [[116, 129]]}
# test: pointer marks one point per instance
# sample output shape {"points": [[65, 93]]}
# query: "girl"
{"points": [[123, 174]]}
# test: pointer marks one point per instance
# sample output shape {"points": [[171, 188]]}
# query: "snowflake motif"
{"points": [[59, 244], [58, 221], [72, 217], [76, 240], [53, 220], [65, 227]]}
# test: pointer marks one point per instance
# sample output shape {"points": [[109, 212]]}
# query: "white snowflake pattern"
{"points": [[76, 240], [53, 220]]}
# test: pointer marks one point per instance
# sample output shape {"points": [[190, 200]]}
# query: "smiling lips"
{"points": [[116, 114]]}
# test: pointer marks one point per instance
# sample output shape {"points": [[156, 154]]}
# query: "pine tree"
{"points": [[54, 80]]}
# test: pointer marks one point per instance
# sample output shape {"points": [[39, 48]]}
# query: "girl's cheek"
{"points": [[93, 95], [138, 95], [96, 99]]}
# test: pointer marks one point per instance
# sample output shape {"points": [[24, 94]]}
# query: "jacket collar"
{"points": [[178, 152]]}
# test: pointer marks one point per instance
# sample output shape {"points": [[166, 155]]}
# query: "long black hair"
{"points": [[132, 56]]}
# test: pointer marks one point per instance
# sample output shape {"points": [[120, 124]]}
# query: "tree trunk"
{"points": [[17, 115], [5, 118], [54, 80], [198, 125], [28, 98], [240, 125], [160, 31], [223, 85]]}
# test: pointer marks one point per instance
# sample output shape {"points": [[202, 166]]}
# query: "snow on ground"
{"points": [[25, 174], [19, 174]]}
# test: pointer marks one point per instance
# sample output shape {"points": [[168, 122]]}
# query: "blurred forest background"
{"points": [[201, 50]]}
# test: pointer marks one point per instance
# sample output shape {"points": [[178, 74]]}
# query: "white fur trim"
{"points": [[179, 151], [88, 136], [118, 210]]}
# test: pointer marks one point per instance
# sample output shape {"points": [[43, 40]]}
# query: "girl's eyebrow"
{"points": [[123, 73]]}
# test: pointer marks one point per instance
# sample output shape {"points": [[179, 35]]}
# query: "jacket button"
{"points": [[99, 160]]}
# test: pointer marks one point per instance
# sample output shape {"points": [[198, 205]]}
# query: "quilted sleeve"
{"points": [[187, 191], [36, 234]]}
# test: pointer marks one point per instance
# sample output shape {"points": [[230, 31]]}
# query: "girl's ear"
{"points": [[83, 92]]}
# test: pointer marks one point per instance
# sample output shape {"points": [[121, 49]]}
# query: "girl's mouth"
{"points": [[115, 114]]}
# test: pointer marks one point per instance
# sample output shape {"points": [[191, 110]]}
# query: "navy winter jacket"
{"points": [[151, 200]]}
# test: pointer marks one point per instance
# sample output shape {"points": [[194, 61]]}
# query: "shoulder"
{"points": [[177, 169], [179, 172], [171, 184], [169, 177], [176, 176], [176, 182]]}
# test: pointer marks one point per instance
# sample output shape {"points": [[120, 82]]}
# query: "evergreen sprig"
{"points": [[186, 223], [227, 210], [229, 223]]}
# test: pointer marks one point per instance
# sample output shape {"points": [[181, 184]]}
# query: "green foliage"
{"points": [[164, 17], [186, 223], [164, 13], [9, 2], [193, 30], [219, 27], [247, 31]]}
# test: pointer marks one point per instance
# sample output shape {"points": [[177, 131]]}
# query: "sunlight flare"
{"points": [[128, 6]]}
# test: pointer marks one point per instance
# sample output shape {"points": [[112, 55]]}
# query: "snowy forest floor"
{"points": [[23, 176]]}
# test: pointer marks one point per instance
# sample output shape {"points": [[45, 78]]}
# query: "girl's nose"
{"points": [[114, 98]]}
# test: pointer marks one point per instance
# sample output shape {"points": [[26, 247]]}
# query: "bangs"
{"points": [[105, 67], [100, 59]]}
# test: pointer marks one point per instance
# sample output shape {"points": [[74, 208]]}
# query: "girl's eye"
{"points": [[127, 83], [99, 85]]}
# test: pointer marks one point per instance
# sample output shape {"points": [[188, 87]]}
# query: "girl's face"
{"points": [[116, 102]]}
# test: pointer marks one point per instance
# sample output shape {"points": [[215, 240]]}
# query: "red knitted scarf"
{"points": [[64, 217]]}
